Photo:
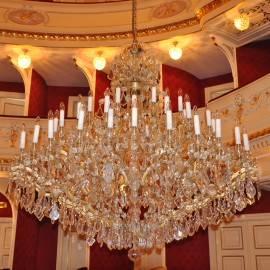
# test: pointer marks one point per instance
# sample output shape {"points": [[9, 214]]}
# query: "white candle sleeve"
{"points": [[169, 119], [180, 103], [185, 113], [55, 124], [62, 118], [36, 133], [237, 135], [246, 142], [50, 129], [208, 118], [134, 117], [78, 109], [147, 130], [81, 120], [154, 94], [218, 128], [133, 99], [197, 128], [213, 124], [106, 103], [117, 95], [90, 104], [188, 110], [110, 118], [22, 140], [166, 101]]}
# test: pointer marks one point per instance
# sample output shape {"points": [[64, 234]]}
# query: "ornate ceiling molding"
{"points": [[183, 24]]}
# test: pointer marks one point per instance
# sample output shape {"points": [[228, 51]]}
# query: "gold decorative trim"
{"points": [[5, 160], [120, 35], [210, 7], [98, 37]]}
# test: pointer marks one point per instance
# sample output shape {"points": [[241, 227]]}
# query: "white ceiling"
{"points": [[54, 59]]}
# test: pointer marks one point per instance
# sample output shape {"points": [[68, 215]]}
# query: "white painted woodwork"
{"points": [[243, 244], [5, 242], [72, 251], [156, 259]]}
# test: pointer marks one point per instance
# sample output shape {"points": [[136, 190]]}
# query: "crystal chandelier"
{"points": [[134, 175]]}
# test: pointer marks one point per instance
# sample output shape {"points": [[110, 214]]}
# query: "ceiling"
{"points": [[55, 32]]}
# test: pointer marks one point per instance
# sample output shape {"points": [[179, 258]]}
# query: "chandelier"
{"points": [[134, 175]]}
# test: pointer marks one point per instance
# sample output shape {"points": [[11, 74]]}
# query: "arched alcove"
{"points": [[9, 224]]}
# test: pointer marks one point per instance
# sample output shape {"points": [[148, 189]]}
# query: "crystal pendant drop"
{"points": [[54, 215], [134, 254], [90, 241]]}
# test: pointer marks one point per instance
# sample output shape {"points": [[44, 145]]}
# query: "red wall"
{"points": [[192, 253], [102, 82], [174, 79], [12, 87], [5, 212], [38, 96], [253, 61], [58, 94], [103, 258], [35, 243]]}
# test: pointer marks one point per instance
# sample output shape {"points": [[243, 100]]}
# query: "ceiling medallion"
{"points": [[169, 9], [26, 17]]}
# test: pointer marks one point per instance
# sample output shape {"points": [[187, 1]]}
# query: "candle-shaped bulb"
{"points": [[50, 124], [55, 120], [197, 128], [208, 116], [81, 117], [36, 130], [106, 100], [117, 95], [188, 106], [90, 101], [61, 114], [134, 114], [110, 117], [237, 135], [169, 116], [246, 140], [218, 125], [154, 94], [166, 102], [23, 137], [180, 100]]}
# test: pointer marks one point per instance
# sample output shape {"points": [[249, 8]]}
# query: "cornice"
{"points": [[146, 32]]}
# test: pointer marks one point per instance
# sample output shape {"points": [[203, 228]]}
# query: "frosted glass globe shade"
{"points": [[175, 53]]}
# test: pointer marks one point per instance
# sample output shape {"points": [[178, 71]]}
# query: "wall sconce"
{"points": [[24, 60], [99, 62], [175, 52], [241, 22], [3, 205]]}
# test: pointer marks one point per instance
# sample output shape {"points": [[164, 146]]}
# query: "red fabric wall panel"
{"points": [[253, 61], [35, 243], [174, 79], [47, 245], [103, 258], [25, 242], [58, 94], [38, 96], [191, 253], [5, 212], [102, 82], [12, 87]]}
